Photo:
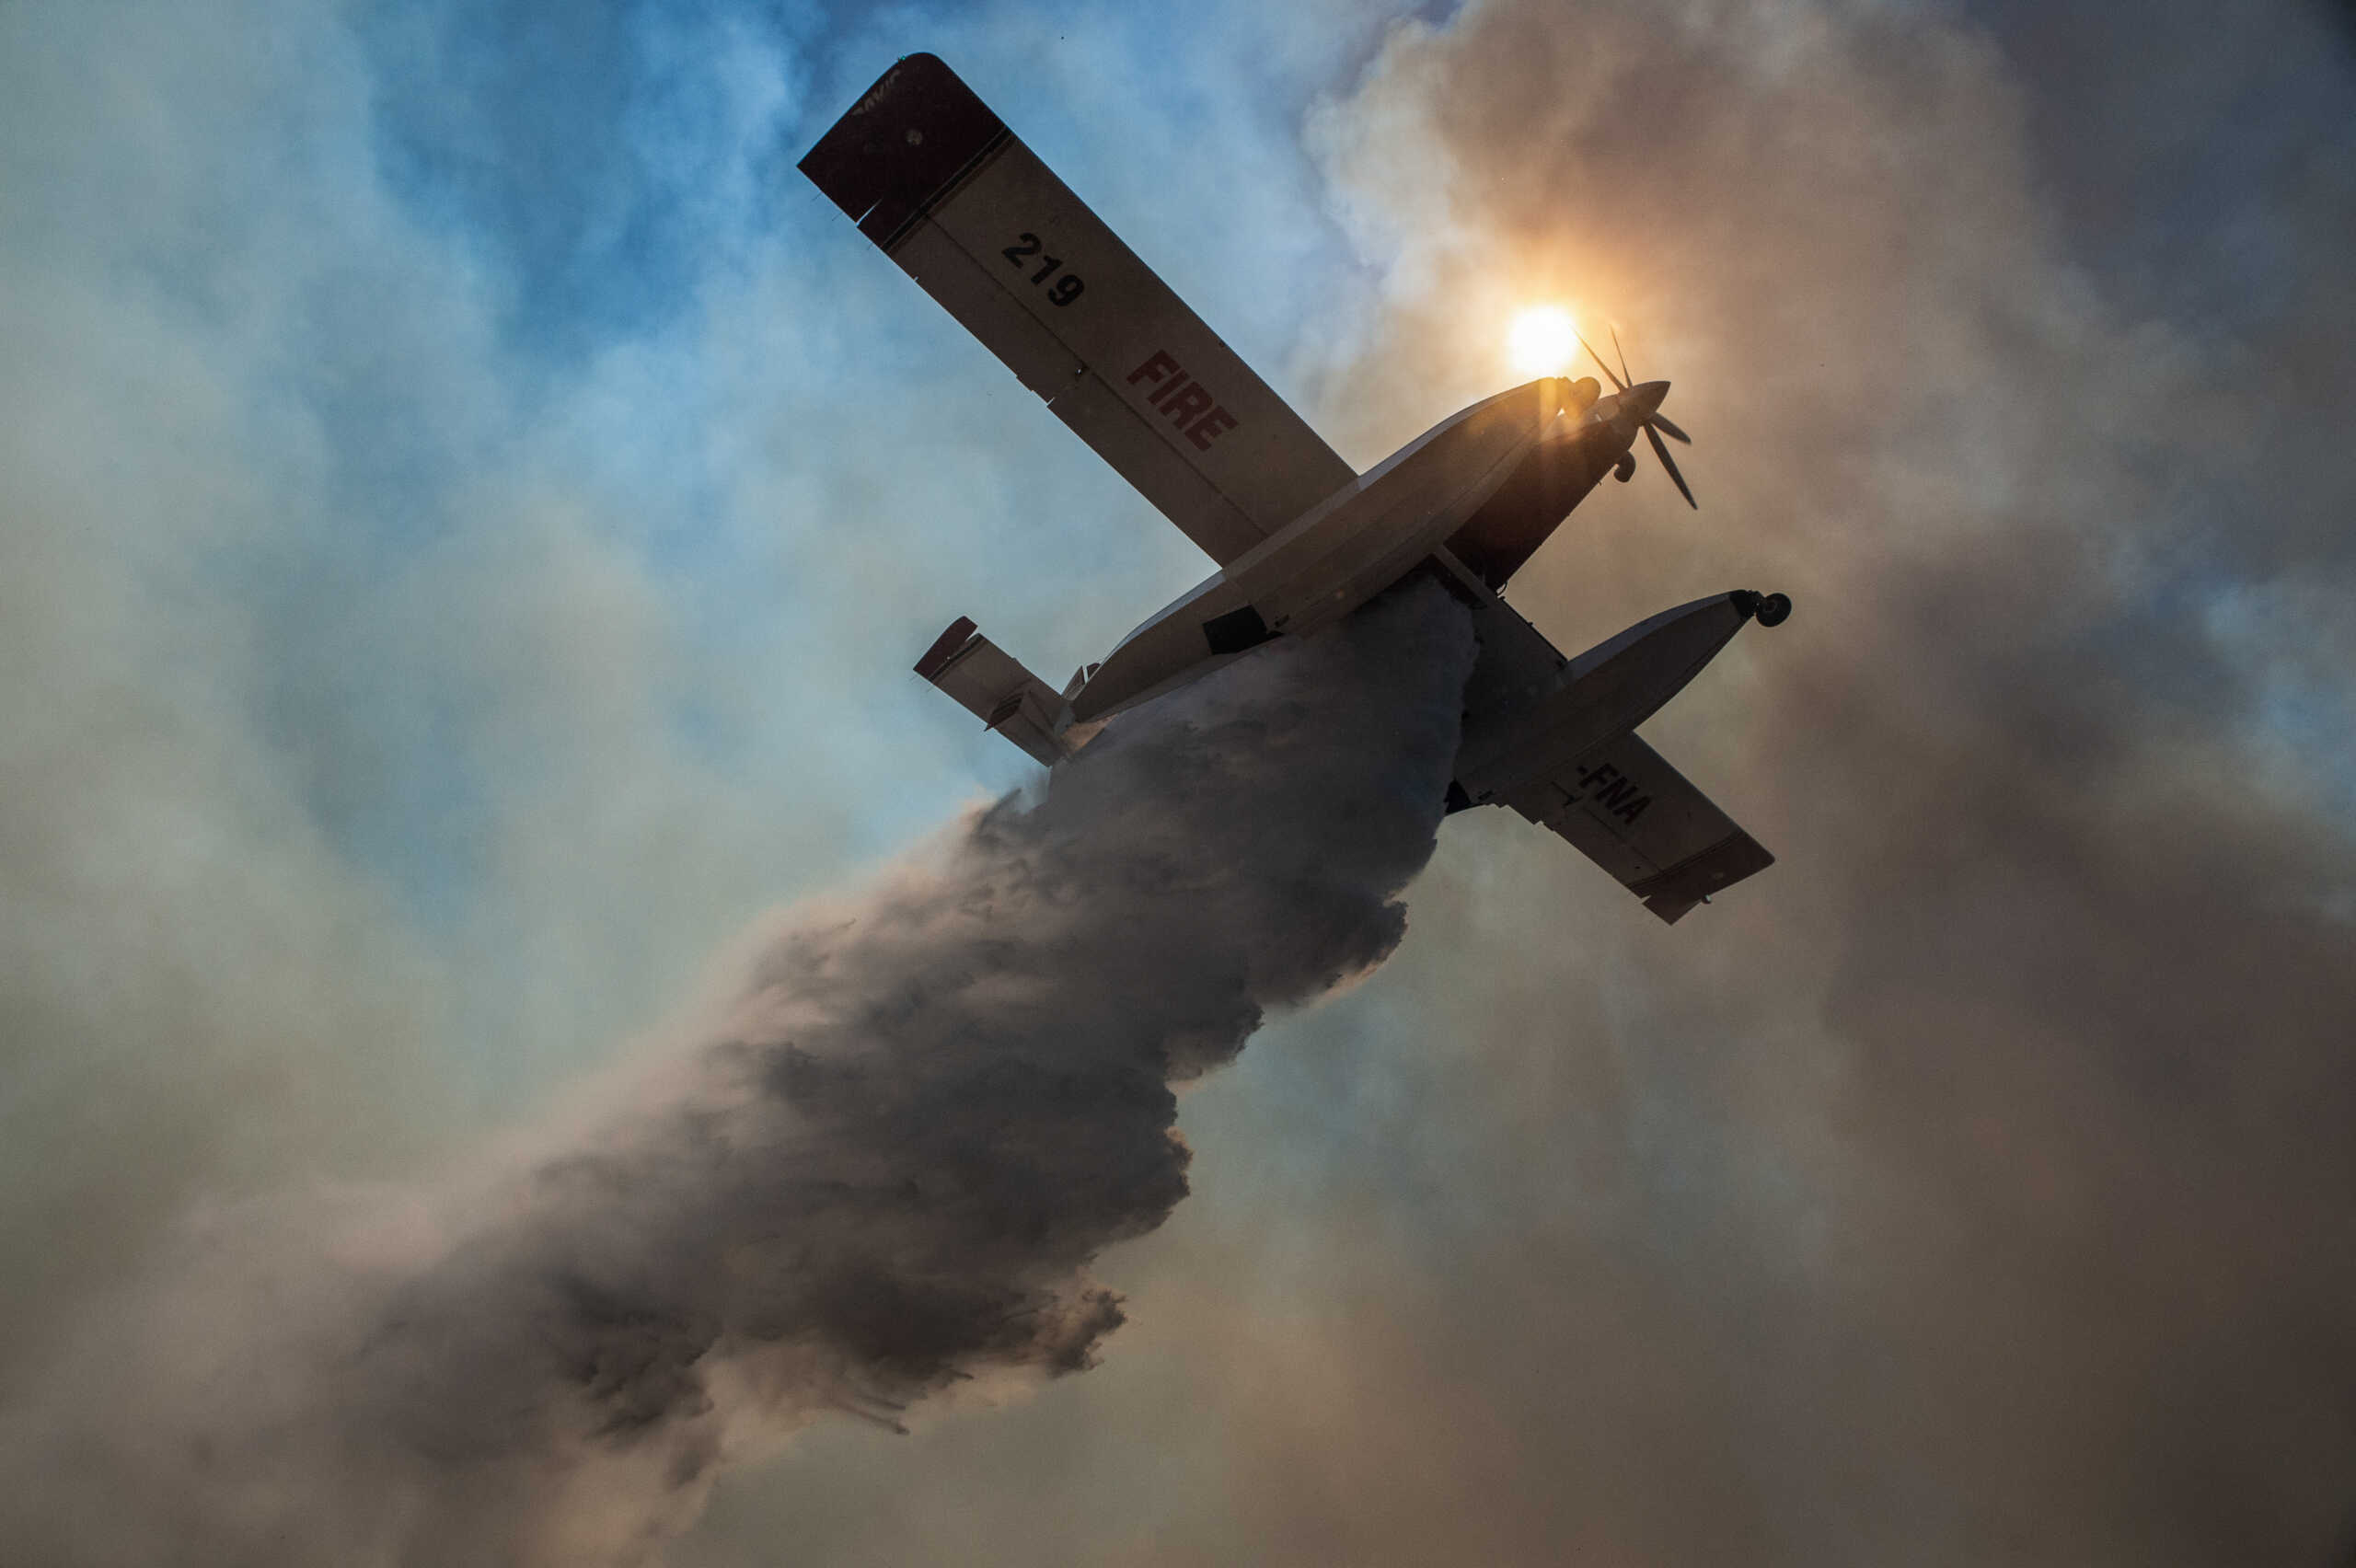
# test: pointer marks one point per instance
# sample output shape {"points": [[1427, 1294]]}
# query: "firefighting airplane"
{"points": [[936, 180]]}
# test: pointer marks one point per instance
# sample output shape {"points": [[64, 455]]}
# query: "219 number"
{"points": [[1064, 289]]}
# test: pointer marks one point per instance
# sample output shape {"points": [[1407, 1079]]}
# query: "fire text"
{"points": [[1182, 400]]}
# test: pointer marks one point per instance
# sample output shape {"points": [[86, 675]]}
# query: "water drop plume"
{"points": [[883, 1169]]}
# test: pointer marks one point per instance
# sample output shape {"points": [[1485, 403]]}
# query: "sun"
{"points": [[1544, 340]]}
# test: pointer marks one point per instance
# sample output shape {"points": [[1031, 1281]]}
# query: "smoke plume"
{"points": [[883, 1170]]}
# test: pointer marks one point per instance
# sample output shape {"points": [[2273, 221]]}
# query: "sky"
{"points": [[470, 508]]}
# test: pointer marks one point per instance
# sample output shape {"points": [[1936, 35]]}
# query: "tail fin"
{"points": [[992, 686]]}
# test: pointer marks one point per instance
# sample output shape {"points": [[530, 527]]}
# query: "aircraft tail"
{"points": [[993, 685]]}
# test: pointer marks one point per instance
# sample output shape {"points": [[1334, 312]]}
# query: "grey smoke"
{"points": [[882, 1173]]}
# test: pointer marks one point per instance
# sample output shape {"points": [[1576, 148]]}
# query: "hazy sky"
{"points": [[468, 508]]}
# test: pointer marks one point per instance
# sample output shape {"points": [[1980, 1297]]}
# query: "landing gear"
{"points": [[1625, 470], [1773, 610]]}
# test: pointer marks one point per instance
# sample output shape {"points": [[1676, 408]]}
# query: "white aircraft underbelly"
{"points": [[1340, 553]]}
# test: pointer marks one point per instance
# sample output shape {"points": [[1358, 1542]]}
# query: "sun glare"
{"points": [[1544, 340]]}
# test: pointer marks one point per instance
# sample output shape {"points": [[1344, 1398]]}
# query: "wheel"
{"points": [[1625, 470], [1774, 609]]}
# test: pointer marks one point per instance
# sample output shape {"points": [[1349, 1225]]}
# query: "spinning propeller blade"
{"points": [[1654, 427], [1666, 462], [1616, 385]]}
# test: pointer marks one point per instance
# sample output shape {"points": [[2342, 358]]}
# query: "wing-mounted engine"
{"points": [[994, 687]]}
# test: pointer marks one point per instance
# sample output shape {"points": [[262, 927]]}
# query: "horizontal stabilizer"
{"points": [[1627, 809], [992, 685]]}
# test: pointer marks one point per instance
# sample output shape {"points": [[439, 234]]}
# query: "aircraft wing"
{"points": [[1631, 812], [932, 177]]}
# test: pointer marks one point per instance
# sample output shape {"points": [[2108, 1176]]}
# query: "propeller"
{"points": [[1654, 426]]}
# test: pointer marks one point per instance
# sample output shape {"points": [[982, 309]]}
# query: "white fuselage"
{"points": [[1342, 552]]}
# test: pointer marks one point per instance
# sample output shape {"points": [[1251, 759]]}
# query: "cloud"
{"points": [[1966, 1187], [401, 703]]}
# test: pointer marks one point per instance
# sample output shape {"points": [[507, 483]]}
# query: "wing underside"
{"points": [[1626, 809], [932, 177]]}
